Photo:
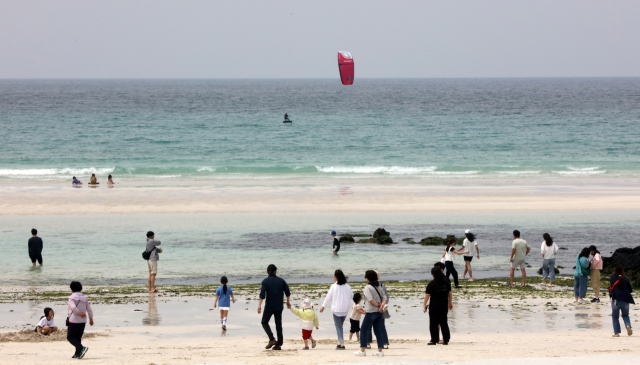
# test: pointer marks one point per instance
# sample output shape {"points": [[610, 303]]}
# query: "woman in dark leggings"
{"points": [[448, 260]]}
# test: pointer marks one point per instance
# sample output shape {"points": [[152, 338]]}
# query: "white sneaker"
{"points": [[360, 353], [378, 353]]}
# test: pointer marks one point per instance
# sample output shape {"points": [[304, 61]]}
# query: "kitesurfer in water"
{"points": [[286, 117]]}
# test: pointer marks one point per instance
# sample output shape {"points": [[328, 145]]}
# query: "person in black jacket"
{"points": [[35, 248], [620, 293], [336, 243], [273, 290]]}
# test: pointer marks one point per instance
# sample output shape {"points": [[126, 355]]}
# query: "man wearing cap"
{"points": [[336, 243]]}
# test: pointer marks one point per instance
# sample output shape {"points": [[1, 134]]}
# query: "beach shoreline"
{"points": [[309, 197]]}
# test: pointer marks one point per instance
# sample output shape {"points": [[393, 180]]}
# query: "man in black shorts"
{"points": [[35, 248], [336, 243]]}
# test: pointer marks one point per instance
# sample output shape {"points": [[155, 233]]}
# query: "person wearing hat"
{"points": [[308, 320], [336, 243], [469, 249]]}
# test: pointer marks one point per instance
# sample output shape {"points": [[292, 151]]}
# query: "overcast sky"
{"points": [[300, 39]]}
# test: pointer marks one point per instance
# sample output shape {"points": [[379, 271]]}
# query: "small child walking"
{"points": [[46, 326], [356, 312], [224, 296], [309, 319]]}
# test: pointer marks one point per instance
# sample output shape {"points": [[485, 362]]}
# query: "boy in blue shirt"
{"points": [[224, 296]]}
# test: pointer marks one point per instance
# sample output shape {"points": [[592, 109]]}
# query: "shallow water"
{"points": [[199, 248]]}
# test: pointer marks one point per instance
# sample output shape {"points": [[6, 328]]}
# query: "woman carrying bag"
{"points": [[620, 293]]}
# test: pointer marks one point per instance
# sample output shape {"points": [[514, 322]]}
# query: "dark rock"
{"points": [[380, 232], [380, 236], [407, 239], [439, 241], [346, 238], [627, 257]]}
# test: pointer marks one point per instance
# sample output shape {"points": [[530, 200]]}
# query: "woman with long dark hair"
{"points": [[581, 275], [340, 296], [374, 304], [448, 260], [224, 296], [620, 293], [469, 249], [438, 295], [596, 266], [549, 250]]}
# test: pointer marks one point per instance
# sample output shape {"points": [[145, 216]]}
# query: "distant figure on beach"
{"points": [[273, 290], [440, 301], [110, 180], [355, 315], [469, 249], [519, 251], [286, 116], [76, 182], [374, 305], [224, 296], [46, 325], [336, 243], [308, 320], [340, 296], [35, 245], [152, 263], [448, 260], [549, 250], [596, 266], [78, 308], [620, 293], [94, 180], [581, 275]]}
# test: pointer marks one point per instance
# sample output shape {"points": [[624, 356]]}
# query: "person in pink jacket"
{"points": [[78, 309]]}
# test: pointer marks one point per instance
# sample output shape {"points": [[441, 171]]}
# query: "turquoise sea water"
{"points": [[232, 129]]}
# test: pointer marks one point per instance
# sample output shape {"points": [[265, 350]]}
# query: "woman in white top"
{"points": [[340, 296], [469, 249], [549, 250], [448, 260]]}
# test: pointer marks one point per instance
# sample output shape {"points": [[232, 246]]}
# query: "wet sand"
{"points": [[350, 196]]}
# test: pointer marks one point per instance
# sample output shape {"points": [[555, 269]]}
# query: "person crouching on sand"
{"points": [[224, 296], [308, 320], [46, 325], [78, 309]]}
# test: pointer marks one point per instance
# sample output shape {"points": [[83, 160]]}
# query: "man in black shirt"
{"points": [[439, 292], [336, 243], [273, 290], [35, 248]]}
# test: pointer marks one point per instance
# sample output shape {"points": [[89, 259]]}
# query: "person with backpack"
{"points": [[581, 275], [152, 255], [620, 293], [78, 309]]}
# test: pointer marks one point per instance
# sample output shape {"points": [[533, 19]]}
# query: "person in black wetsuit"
{"points": [[286, 117], [336, 243], [35, 248]]}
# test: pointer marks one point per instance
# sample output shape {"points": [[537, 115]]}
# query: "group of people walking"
{"points": [[438, 299]]}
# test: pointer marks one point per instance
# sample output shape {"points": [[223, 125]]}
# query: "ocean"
{"points": [[232, 129], [182, 132]]}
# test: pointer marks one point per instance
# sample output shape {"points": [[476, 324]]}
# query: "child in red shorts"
{"points": [[308, 320]]}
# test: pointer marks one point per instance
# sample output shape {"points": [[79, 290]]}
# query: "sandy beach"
{"points": [[314, 197]]}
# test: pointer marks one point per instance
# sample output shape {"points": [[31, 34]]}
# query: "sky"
{"points": [[300, 39]]}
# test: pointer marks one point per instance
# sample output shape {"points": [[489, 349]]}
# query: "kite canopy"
{"points": [[345, 64]]}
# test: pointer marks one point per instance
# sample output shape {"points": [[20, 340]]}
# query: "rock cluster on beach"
{"points": [[434, 241], [380, 236], [629, 258]]}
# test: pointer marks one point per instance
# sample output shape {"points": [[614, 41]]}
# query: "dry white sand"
{"points": [[341, 197], [143, 346]]}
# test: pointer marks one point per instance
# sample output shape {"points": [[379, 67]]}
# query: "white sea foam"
{"points": [[531, 172], [49, 172], [206, 168], [584, 171], [392, 170]]}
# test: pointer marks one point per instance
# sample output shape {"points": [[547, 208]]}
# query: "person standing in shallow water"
{"points": [[336, 243], [152, 263], [35, 248], [519, 251], [272, 292]]}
